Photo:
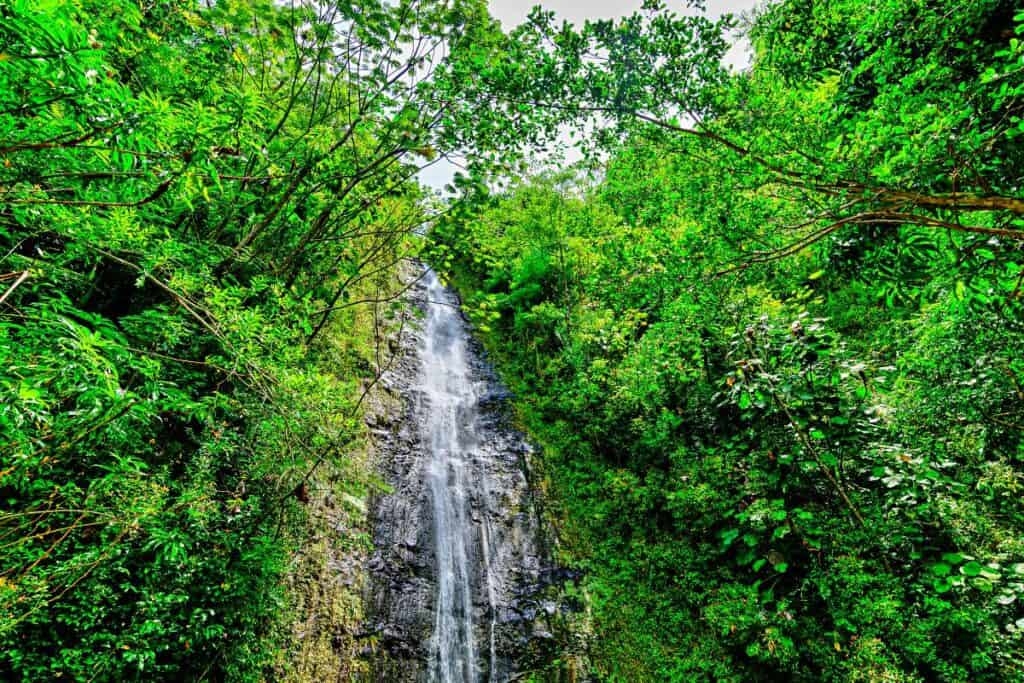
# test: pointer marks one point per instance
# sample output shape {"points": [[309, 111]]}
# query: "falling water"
{"points": [[450, 436], [460, 577]]}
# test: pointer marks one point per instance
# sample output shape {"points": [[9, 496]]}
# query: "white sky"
{"points": [[513, 12]]}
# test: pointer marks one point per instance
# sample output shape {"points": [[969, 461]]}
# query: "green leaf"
{"points": [[972, 568]]}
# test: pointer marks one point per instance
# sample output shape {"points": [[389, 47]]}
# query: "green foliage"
{"points": [[772, 348], [194, 199], [781, 415]]}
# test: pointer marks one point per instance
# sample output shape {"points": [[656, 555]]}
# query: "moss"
{"points": [[320, 630], [325, 586]]}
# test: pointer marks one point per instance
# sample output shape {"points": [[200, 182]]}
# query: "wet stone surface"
{"points": [[460, 571]]}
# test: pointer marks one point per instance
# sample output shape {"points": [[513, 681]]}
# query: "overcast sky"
{"points": [[513, 12]]}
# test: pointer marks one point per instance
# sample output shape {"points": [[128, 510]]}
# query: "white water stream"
{"points": [[450, 434]]}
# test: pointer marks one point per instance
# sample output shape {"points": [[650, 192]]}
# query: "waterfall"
{"points": [[459, 578], [450, 437]]}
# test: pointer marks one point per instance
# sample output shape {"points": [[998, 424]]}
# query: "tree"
{"points": [[817, 139]]}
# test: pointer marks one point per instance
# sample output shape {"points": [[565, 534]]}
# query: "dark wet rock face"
{"points": [[459, 572]]}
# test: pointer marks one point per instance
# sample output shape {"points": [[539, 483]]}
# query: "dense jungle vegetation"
{"points": [[768, 331], [772, 343], [201, 206]]}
